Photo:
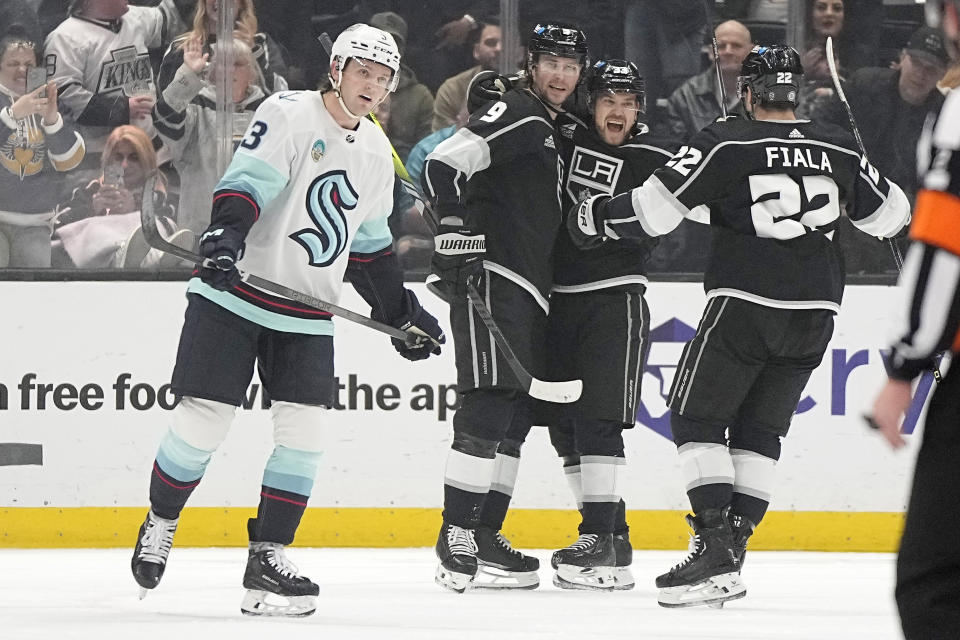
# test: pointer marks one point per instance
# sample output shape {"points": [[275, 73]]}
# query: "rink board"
{"points": [[83, 406]]}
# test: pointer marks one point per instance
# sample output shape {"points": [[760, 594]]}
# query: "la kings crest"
{"points": [[592, 173], [127, 70]]}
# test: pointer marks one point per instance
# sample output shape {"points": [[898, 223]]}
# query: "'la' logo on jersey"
{"points": [[127, 71], [328, 197], [595, 171]]}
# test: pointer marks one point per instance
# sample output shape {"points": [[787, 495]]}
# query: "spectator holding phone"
{"points": [[35, 144]]}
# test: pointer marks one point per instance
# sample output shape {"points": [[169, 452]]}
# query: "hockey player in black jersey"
{"points": [[598, 324], [493, 186], [775, 188]]}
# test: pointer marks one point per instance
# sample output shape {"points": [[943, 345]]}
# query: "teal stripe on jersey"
{"points": [[262, 317], [291, 470], [181, 461], [372, 236], [254, 176]]}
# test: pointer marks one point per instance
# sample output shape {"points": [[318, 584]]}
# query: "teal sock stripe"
{"points": [[291, 470], [180, 460]]}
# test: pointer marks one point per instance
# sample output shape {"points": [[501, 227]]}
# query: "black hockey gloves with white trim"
{"points": [[486, 87], [585, 222], [458, 254], [417, 320], [221, 248]]}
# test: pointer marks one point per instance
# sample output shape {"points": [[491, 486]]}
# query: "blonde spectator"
{"points": [[186, 119], [266, 52], [35, 144]]}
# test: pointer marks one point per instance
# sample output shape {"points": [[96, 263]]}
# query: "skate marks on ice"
{"points": [[389, 594]]}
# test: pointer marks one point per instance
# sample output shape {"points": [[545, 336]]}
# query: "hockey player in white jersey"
{"points": [[304, 202]]}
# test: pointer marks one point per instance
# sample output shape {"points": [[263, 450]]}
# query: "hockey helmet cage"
{"points": [[561, 40], [617, 76], [368, 43], [773, 73]]}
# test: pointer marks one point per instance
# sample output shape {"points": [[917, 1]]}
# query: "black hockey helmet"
{"points": [[617, 76], [773, 73], [562, 40]]}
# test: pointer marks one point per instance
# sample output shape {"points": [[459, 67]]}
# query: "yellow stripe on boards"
{"points": [[90, 527]]}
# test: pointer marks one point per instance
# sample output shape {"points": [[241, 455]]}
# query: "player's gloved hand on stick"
{"points": [[221, 248], [585, 222], [458, 254], [416, 320]]}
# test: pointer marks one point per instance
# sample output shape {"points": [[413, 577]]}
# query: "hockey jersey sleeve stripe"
{"points": [[372, 236], [242, 196], [653, 211], [464, 151], [937, 220], [890, 217], [929, 324], [251, 175], [71, 157]]}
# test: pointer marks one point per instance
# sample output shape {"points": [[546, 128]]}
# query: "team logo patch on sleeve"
{"points": [[317, 150]]}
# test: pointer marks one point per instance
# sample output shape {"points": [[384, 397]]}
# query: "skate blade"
{"points": [[452, 580], [623, 579], [712, 592], [569, 576], [264, 603], [493, 578], [143, 593]]}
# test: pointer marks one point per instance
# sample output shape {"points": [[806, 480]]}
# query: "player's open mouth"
{"points": [[556, 88], [615, 125], [366, 98]]}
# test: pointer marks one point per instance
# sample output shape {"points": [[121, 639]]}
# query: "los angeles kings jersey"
{"points": [[500, 173], [322, 192], [930, 322], [775, 192], [592, 167]]}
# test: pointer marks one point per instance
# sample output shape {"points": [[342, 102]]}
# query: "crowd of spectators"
{"points": [[132, 89]]}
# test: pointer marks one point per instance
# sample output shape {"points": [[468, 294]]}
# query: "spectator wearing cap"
{"points": [[412, 103], [890, 105], [452, 94]]}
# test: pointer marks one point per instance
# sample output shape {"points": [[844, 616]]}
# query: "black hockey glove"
{"points": [[416, 320], [221, 248], [585, 222], [458, 255], [487, 86]]}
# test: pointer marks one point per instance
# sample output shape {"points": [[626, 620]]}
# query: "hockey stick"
{"points": [[151, 233], [716, 65], [835, 76], [561, 392]]}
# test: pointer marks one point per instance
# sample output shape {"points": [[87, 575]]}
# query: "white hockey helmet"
{"points": [[368, 43]]}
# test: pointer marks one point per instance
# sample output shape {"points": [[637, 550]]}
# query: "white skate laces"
{"points": [[460, 541], [277, 559], [585, 541], [157, 539]]}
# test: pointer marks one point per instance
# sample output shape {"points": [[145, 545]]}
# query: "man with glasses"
{"points": [[494, 190]]}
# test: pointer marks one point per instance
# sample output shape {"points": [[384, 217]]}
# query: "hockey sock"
{"points": [[601, 492], [620, 526], [752, 488], [708, 470], [177, 471], [504, 478], [287, 481], [467, 478]]}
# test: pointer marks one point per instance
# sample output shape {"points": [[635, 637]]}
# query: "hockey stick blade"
{"points": [[151, 233], [561, 392]]}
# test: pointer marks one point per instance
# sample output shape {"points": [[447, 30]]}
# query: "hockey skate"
{"points": [[588, 564], [457, 552], [742, 530], [710, 574], [622, 575], [500, 566], [153, 547], [274, 586]]}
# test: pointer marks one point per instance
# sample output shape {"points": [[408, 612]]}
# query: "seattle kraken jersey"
{"points": [[594, 167], [775, 192], [322, 193], [501, 174]]}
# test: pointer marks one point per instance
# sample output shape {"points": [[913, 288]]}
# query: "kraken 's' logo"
{"points": [[328, 197]]}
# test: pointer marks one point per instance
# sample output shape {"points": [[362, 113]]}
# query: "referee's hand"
{"points": [[888, 410]]}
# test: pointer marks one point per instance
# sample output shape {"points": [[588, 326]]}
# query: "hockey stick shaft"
{"points": [[151, 234], [561, 392], [835, 77], [716, 65]]}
